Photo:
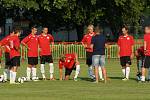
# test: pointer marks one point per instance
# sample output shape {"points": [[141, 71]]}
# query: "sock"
{"points": [[100, 72], [28, 73], [143, 78], [14, 76], [90, 72], [11, 76], [6, 73], [77, 71], [43, 71], [123, 71], [127, 72], [51, 70], [33, 73]]}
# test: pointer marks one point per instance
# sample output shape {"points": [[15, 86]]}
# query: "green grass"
{"points": [[83, 89]]}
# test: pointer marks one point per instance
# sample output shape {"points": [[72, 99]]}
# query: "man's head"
{"points": [[17, 32], [62, 57], [45, 30], [98, 30], [147, 29], [90, 29], [125, 30], [33, 30]]}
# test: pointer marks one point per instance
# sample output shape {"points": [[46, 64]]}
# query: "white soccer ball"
{"points": [[37, 78], [20, 80], [1, 78], [24, 79]]}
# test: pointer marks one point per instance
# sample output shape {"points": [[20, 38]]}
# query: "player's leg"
{"points": [[102, 65], [51, 67], [77, 71], [145, 65], [67, 73], [7, 66], [15, 65], [123, 64], [29, 68], [128, 63], [34, 69], [42, 61], [96, 64], [100, 73], [139, 69], [89, 63]]}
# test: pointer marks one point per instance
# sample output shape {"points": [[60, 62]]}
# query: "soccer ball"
{"points": [[20, 80], [24, 79], [1, 78]]}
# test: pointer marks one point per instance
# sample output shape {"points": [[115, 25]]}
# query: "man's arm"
{"points": [[132, 55], [145, 45], [24, 42]]}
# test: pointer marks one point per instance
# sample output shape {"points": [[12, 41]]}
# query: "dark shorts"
{"points": [[46, 58], [7, 60], [32, 60], [89, 58], [15, 61], [69, 71], [146, 62], [125, 60]]}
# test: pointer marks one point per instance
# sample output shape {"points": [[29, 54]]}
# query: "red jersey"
{"points": [[147, 40], [44, 44], [6, 46], [125, 43], [14, 42], [32, 42], [87, 40], [69, 61]]}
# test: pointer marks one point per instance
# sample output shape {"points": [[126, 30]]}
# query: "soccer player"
{"points": [[86, 42], [45, 40], [7, 55], [125, 52], [69, 62], [31, 43], [139, 53], [98, 59], [14, 44], [146, 64]]}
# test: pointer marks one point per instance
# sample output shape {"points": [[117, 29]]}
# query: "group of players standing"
{"points": [[94, 42]]}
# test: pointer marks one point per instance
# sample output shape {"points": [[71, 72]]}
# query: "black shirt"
{"points": [[99, 44]]}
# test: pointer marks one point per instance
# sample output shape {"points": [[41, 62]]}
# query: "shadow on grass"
{"points": [[119, 78], [86, 79]]}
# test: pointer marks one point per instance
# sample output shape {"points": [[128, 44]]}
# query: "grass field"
{"points": [[83, 89]]}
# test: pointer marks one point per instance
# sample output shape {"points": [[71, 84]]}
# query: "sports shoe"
{"points": [[44, 79], [95, 82], [75, 79], [52, 79], [125, 79]]}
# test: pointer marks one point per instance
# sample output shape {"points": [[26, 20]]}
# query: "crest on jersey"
{"points": [[128, 38], [47, 37]]}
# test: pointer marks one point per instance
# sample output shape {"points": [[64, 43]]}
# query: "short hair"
{"points": [[125, 27], [148, 26], [98, 29], [16, 31], [90, 25], [33, 27]]}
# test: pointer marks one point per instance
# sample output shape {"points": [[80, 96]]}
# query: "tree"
{"points": [[78, 13]]}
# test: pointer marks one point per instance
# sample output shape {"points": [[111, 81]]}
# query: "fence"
{"points": [[60, 48]]}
